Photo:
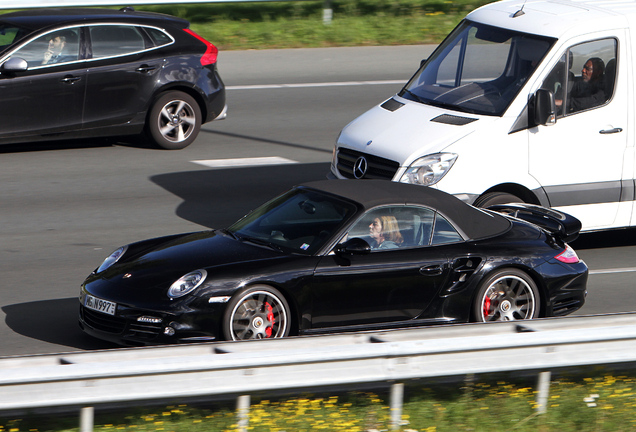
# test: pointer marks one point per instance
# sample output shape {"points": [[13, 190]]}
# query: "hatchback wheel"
{"points": [[259, 312], [507, 295], [174, 120]]}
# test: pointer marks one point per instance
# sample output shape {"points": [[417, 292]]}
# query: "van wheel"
{"points": [[494, 198], [174, 120]]}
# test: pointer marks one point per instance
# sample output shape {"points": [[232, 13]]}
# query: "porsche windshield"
{"points": [[477, 69], [299, 221]]}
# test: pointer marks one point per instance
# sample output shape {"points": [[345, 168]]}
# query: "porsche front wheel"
{"points": [[507, 295], [174, 120], [258, 312]]}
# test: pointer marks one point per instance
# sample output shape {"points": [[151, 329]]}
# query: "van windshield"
{"points": [[477, 69]]}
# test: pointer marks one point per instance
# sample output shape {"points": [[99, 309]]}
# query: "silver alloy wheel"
{"points": [[508, 298], [177, 121], [259, 314]]}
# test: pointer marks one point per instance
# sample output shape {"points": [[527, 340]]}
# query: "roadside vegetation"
{"points": [[604, 403], [299, 24]]}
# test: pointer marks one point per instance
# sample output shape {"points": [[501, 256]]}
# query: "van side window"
{"points": [[584, 77]]}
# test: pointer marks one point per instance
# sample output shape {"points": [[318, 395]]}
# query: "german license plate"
{"points": [[100, 305]]}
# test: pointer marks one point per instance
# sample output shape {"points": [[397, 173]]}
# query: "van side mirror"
{"points": [[354, 246], [14, 64], [544, 108], [422, 62]]}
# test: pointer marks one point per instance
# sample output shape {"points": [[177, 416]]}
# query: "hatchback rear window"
{"points": [[158, 37], [115, 40]]}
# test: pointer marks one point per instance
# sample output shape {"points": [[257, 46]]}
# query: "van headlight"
{"points": [[428, 170]]}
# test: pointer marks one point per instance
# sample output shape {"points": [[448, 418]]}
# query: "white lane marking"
{"points": [[306, 85], [243, 162], [616, 270]]}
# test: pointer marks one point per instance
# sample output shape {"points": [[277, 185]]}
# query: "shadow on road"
{"points": [[217, 198], [132, 141], [52, 321], [606, 239]]}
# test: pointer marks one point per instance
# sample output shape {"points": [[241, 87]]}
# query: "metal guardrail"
{"points": [[350, 360]]}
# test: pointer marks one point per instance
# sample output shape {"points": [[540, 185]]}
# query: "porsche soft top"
{"points": [[475, 223]]}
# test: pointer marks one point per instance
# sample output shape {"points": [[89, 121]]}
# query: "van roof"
{"points": [[557, 18]]}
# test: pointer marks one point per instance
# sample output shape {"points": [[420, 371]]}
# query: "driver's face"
{"points": [[56, 44], [375, 229], [587, 71]]}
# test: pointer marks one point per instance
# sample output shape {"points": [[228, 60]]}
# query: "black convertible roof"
{"points": [[475, 223]]}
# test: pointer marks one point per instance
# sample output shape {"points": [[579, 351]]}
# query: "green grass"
{"points": [[263, 25], [479, 407]]}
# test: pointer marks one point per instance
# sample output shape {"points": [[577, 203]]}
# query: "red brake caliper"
{"points": [[486, 306], [270, 318]]}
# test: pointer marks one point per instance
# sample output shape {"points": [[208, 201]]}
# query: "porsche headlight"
{"points": [[112, 259], [186, 284], [428, 170]]}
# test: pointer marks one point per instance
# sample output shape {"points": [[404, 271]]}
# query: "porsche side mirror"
{"points": [[14, 64], [354, 246], [544, 108]]}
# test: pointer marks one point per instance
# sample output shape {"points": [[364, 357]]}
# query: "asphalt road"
{"points": [[65, 206]]}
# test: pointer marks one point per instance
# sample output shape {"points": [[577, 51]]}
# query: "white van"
{"points": [[525, 101]]}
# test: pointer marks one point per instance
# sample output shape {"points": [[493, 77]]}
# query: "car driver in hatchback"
{"points": [[54, 52]]}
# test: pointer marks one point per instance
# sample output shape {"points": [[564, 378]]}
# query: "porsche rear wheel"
{"points": [[174, 120], [507, 295], [258, 312]]}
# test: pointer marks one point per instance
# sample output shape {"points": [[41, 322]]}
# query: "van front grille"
{"points": [[376, 167]]}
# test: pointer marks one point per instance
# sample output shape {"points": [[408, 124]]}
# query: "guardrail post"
{"points": [[243, 412], [86, 419], [397, 396], [543, 392], [327, 12]]}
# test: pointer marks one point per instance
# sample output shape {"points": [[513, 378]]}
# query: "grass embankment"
{"points": [[299, 24], [604, 404]]}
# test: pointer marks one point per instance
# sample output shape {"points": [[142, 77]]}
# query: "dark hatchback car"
{"points": [[314, 260], [77, 73]]}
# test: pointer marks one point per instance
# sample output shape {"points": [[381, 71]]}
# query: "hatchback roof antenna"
{"points": [[520, 11]]}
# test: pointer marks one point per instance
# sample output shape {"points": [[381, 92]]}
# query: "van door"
{"points": [[580, 160]]}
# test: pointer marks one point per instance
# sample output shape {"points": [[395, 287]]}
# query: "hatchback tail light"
{"points": [[209, 57], [568, 256]]}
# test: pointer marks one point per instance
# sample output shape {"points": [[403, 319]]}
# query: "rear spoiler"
{"points": [[560, 224]]}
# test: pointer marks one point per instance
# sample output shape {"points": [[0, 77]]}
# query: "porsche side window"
{"points": [[395, 227], [115, 40], [56, 47], [584, 77], [444, 232]]}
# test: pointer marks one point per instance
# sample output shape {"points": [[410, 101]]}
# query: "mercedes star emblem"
{"points": [[360, 167]]}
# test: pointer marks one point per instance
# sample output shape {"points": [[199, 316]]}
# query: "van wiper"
{"points": [[418, 98]]}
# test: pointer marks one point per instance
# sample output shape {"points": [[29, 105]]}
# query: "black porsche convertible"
{"points": [[338, 255]]}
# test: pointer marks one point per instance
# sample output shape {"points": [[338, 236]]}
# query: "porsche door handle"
{"points": [[610, 131], [432, 270]]}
